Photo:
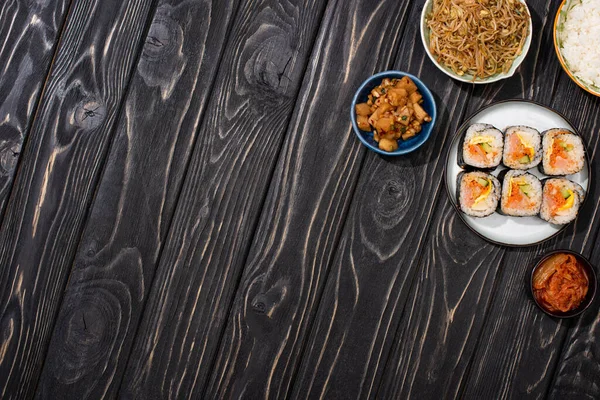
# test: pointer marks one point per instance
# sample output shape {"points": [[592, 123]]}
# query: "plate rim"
{"points": [[457, 134]]}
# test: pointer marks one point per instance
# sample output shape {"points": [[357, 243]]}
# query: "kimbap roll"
{"points": [[563, 152], [522, 147], [521, 194], [481, 147], [478, 193], [561, 200]]}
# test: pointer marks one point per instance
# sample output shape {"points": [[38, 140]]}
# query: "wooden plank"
{"points": [[28, 37], [55, 182], [453, 284], [119, 250], [306, 207], [222, 195]]}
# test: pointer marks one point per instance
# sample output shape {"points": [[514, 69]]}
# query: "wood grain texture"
{"points": [[224, 190], [119, 250], [441, 318], [53, 188], [29, 33], [306, 207]]}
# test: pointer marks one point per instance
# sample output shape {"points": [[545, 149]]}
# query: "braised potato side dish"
{"points": [[393, 111]]}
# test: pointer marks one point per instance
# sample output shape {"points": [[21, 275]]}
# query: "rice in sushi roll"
{"points": [[563, 152], [521, 194], [522, 147], [478, 193], [481, 147], [561, 201]]}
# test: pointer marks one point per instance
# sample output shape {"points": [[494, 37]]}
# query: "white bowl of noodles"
{"points": [[505, 39]]}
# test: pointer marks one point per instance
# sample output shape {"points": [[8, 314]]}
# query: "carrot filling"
{"points": [[519, 194], [559, 199], [476, 190], [519, 150], [560, 154]]}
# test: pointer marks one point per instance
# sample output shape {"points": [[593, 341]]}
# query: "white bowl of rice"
{"points": [[577, 42]]}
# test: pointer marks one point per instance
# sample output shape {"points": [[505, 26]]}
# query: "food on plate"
{"points": [[481, 147], [521, 194], [478, 193], [561, 200], [560, 283], [522, 147], [578, 38], [394, 110], [478, 37], [563, 152]]}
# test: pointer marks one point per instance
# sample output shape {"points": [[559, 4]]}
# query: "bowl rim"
{"points": [[424, 134], [495, 78], [560, 57], [592, 283]]}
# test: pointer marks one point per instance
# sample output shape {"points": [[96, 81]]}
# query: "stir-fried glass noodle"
{"points": [[477, 37]]}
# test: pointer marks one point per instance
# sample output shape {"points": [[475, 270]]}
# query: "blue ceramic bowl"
{"points": [[404, 146]]}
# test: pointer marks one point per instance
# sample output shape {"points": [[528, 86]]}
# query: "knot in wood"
{"points": [[268, 67], [162, 38], [89, 114], [393, 199], [163, 61], [9, 155], [88, 327], [259, 307], [90, 249]]}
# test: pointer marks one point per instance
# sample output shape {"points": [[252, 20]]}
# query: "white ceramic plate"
{"points": [[469, 78], [500, 229]]}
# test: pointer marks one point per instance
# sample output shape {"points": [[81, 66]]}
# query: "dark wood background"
{"points": [[186, 213]]}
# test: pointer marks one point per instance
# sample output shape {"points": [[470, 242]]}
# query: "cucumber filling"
{"points": [[486, 147], [525, 160], [483, 182]]}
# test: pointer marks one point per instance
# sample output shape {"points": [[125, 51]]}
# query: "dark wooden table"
{"points": [[185, 212]]}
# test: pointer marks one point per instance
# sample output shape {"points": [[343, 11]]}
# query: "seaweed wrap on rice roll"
{"points": [[563, 152], [478, 193], [522, 147], [481, 147], [521, 194], [561, 200]]}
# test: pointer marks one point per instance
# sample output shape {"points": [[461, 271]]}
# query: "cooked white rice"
{"points": [[577, 155], [566, 216], [489, 204], [497, 144], [581, 41], [532, 137]]}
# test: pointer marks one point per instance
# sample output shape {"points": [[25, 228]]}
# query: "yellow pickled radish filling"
{"points": [[569, 203], [481, 139], [549, 152], [485, 194], [518, 181], [479, 203], [528, 148]]}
